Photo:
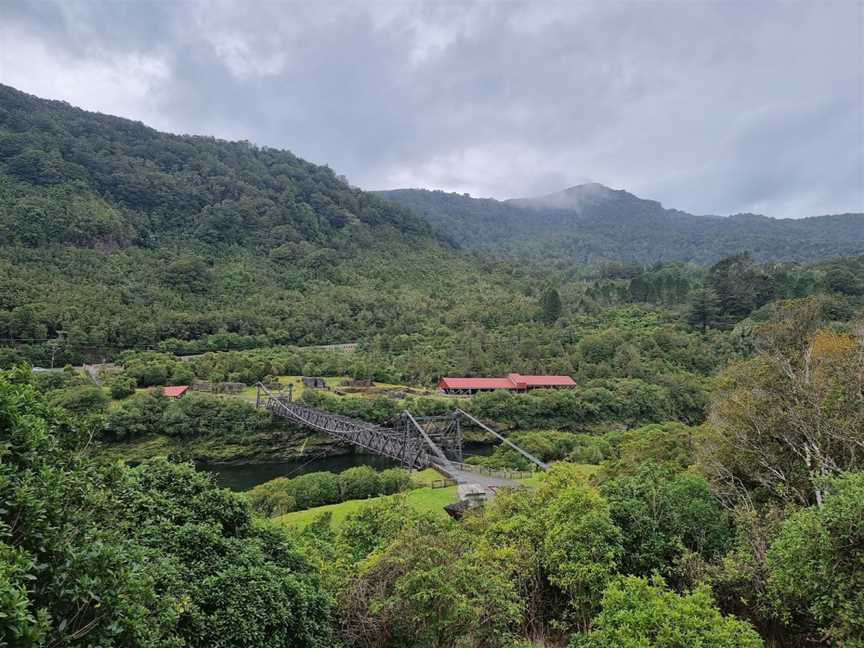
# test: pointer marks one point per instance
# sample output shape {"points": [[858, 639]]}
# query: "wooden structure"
{"points": [[314, 382]]}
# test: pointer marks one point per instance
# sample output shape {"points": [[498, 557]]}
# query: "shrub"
{"points": [[359, 482], [122, 387], [283, 495], [394, 480], [638, 612], [81, 400], [314, 489], [272, 498], [430, 587]]}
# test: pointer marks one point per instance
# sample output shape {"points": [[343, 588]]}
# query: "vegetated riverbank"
{"points": [[241, 464], [264, 447], [244, 476]]}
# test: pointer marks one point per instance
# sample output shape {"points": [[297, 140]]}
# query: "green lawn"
{"points": [[425, 500]]}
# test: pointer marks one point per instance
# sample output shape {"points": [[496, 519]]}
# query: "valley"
{"points": [[704, 452]]}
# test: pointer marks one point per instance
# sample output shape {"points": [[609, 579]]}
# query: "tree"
{"points": [[638, 613], [81, 400], [136, 417], [740, 286], [844, 281], [66, 573], [666, 444], [122, 386], [430, 588], [581, 549], [704, 308], [663, 513], [551, 306], [816, 565], [786, 419], [155, 555]]}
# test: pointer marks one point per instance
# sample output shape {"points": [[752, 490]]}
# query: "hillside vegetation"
{"points": [[594, 224], [116, 236], [91, 180], [706, 486]]}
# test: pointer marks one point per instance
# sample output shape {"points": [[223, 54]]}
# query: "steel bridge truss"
{"points": [[416, 443]]}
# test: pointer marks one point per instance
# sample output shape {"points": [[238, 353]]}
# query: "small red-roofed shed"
{"points": [[175, 391]]}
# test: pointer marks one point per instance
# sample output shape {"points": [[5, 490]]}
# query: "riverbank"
{"points": [[243, 464], [265, 447]]}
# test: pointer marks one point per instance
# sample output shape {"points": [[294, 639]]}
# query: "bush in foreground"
{"points": [[643, 613]]}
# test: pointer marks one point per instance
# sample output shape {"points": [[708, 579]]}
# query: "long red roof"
{"points": [[174, 390], [476, 383], [512, 381]]}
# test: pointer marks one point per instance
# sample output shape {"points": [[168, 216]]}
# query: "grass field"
{"points": [[425, 500]]}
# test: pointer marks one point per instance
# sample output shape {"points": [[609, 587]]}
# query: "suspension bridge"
{"points": [[415, 442]]}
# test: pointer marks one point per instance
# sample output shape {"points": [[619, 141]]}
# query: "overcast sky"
{"points": [[711, 107]]}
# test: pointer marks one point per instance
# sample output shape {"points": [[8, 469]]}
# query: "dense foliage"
{"points": [[85, 179], [148, 556], [637, 612], [182, 563], [594, 223]]}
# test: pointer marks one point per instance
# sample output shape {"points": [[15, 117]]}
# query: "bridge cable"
{"points": [[524, 453]]}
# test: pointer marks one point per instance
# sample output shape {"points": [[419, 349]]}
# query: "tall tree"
{"points": [[704, 308], [551, 303]]}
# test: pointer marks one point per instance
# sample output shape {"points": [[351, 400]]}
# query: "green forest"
{"points": [[592, 224], [706, 485]]}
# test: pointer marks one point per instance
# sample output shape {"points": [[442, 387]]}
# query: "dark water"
{"points": [[241, 477]]}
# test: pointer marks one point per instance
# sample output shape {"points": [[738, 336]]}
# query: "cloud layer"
{"points": [[711, 107]]}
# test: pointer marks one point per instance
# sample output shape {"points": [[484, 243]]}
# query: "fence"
{"points": [[501, 473], [443, 483]]}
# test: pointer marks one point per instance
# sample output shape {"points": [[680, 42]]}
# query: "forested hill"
{"points": [[79, 178], [116, 236], [592, 223]]}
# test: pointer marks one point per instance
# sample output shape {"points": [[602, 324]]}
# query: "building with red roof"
{"points": [[512, 382], [175, 391]]}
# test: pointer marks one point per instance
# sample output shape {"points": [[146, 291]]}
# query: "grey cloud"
{"points": [[713, 107]]}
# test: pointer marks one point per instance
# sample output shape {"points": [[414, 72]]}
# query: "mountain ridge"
{"points": [[578, 197], [75, 177], [593, 223]]}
